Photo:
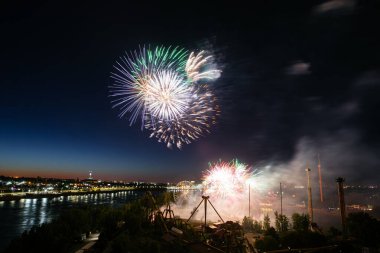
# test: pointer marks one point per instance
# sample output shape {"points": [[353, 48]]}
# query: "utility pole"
{"points": [[281, 217], [281, 198], [310, 200], [249, 200], [320, 179], [342, 205]]}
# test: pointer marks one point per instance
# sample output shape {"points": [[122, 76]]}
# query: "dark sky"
{"points": [[299, 78]]}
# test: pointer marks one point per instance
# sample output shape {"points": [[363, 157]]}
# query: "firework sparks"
{"points": [[194, 64], [160, 87], [196, 122], [228, 179], [167, 95], [229, 186], [136, 76]]}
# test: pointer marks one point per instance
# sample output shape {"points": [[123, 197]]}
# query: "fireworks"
{"points": [[200, 115], [161, 87], [195, 63], [166, 95], [136, 76], [234, 188], [228, 179]]}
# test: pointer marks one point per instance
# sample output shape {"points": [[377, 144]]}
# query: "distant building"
{"points": [[90, 175], [186, 184]]}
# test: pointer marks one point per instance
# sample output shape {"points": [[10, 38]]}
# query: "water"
{"points": [[16, 216]]}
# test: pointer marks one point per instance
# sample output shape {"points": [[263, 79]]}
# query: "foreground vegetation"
{"points": [[363, 234], [124, 229], [134, 228]]}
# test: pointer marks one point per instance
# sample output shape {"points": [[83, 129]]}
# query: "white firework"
{"points": [[167, 89], [194, 66], [194, 123], [166, 95], [135, 72]]}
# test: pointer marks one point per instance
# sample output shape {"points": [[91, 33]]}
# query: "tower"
{"points": [[309, 196], [90, 174], [342, 204], [320, 180]]}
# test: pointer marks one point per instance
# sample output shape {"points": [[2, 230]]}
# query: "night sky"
{"points": [[299, 78]]}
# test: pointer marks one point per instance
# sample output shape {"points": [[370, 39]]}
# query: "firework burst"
{"points": [[194, 65], [228, 179], [166, 95], [137, 80], [194, 123], [160, 86]]}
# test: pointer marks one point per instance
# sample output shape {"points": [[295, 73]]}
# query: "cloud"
{"points": [[342, 155], [368, 79], [335, 7], [299, 68]]}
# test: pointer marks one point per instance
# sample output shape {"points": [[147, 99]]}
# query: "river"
{"points": [[16, 216]]}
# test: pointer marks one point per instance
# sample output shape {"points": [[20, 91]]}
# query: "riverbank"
{"points": [[16, 216], [29, 195]]}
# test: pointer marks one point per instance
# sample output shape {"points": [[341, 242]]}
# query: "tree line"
{"points": [[135, 228], [299, 232]]}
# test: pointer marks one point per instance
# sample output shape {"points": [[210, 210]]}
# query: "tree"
{"points": [[282, 222], [300, 222], [364, 227], [266, 223], [266, 244], [57, 236], [333, 232], [247, 224], [300, 239], [272, 233], [257, 226]]}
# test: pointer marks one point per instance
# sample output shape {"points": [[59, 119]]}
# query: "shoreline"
{"points": [[10, 197]]}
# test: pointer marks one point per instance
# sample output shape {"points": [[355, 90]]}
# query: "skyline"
{"points": [[297, 79]]}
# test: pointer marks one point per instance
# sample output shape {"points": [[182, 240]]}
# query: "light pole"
{"points": [[249, 200]]}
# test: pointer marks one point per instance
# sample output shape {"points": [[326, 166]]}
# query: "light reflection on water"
{"points": [[16, 216]]}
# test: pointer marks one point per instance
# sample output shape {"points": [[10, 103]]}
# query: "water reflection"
{"points": [[18, 216]]}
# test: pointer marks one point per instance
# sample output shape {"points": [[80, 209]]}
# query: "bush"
{"points": [[296, 239], [365, 228], [300, 222], [62, 233], [266, 244]]}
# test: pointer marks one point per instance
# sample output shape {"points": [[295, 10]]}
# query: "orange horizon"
{"points": [[43, 174], [52, 174], [17, 173]]}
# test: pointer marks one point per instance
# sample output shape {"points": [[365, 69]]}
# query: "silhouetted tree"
{"points": [[300, 222], [301, 239], [247, 224], [61, 234], [365, 228], [257, 226], [333, 232], [272, 232], [251, 225], [266, 244], [281, 222], [266, 222]]}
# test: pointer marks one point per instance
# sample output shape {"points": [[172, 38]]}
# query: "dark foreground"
{"points": [[140, 226]]}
